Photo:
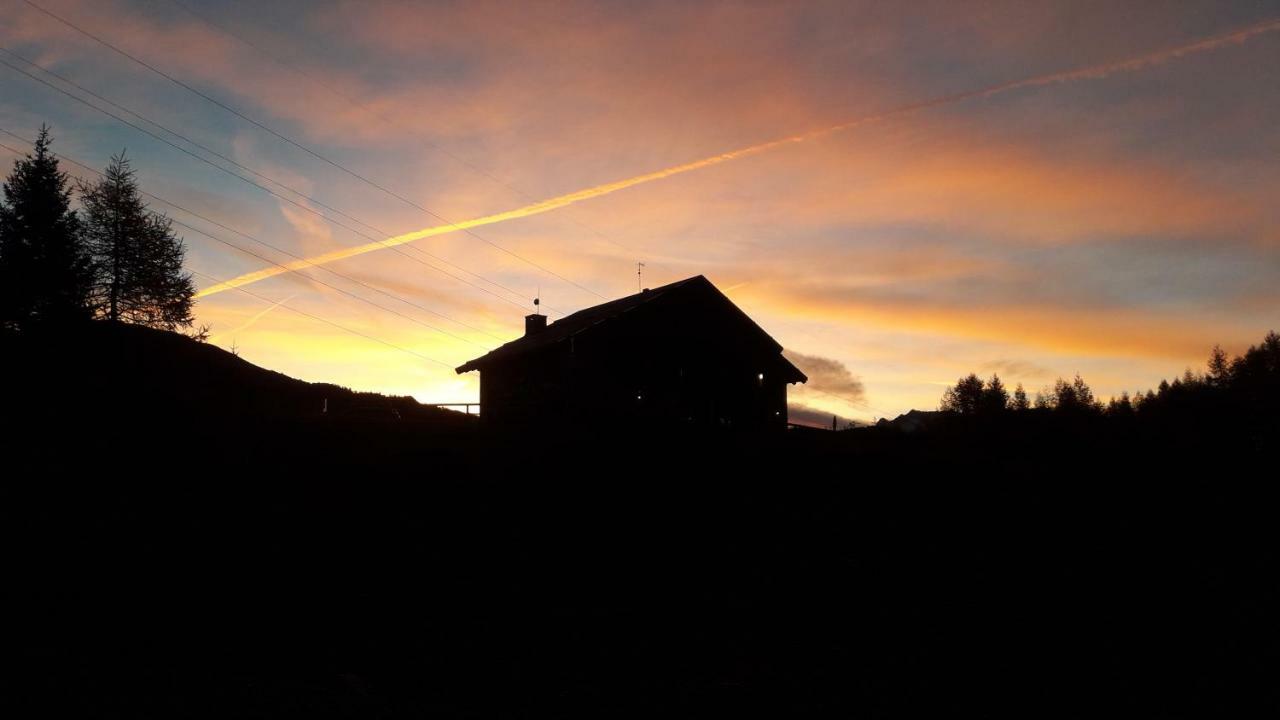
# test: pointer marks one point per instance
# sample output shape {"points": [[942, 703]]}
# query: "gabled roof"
{"points": [[583, 320]]}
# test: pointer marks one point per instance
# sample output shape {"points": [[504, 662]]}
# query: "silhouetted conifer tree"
{"points": [[45, 270], [1122, 405], [1074, 396], [995, 397], [1044, 399], [1064, 395], [965, 397], [1084, 394], [139, 259], [1219, 368], [1019, 400], [1258, 370]]}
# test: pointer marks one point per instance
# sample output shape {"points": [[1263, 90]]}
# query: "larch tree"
{"points": [[138, 257], [45, 270]]}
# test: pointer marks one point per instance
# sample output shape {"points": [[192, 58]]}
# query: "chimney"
{"points": [[534, 324]]}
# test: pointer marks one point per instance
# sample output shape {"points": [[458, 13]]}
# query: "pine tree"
{"points": [[1064, 395], [1074, 396], [1084, 394], [139, 259], [1219, 367], [45, 270], [994, 396], [1044, 399], [1121, 406], [1019, 400], [964, 397]]}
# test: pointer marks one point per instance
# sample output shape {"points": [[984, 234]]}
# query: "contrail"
{"points": [[1086, 73], [261, 313]]}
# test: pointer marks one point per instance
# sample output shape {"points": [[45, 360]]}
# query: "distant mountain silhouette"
{"points": [[911, 421]]}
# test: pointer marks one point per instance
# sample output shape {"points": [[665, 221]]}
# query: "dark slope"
{"points": [[316, 568], [98, 370]]}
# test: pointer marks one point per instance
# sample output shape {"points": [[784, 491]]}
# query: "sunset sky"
{"points": [[1115, 222]]}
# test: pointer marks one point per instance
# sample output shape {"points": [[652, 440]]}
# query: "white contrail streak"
{"points": [[1087, 73], [258, 316]]}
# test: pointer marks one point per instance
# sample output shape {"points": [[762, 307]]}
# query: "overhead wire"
{"points": [[248, 181], [266, 259], [304, 148], [266, 244], [344, 328], [305, 313], [364, 107]]}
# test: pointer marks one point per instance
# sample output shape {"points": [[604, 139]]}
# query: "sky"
{"points": [[899, 193]]}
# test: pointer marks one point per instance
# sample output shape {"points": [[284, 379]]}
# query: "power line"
{"points": [[388, 120], [344, 328], [306, 149], [312, 278], [267, 190], [296, 310], [247, 180], [205, 148], [854, 403], [265, 244], [267, 259]]}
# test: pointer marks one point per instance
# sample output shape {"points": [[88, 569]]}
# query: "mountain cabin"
{"points": [[678, 355]]}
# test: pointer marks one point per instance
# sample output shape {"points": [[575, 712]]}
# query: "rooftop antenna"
{"points": [[639, 287]]}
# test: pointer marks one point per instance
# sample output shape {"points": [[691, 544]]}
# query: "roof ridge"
{"points": [[578, 322]]}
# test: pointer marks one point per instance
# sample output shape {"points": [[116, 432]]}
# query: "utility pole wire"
{"points": [[267, 190], [266, 259], [330, 286], [330, 322], [304, 148], [261, 242], [301, 312], [364, 107]]}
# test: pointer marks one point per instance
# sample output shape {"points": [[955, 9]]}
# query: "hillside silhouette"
{"points": [[191, 539], [100, 370]]}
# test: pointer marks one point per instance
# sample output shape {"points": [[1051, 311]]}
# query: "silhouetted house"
{"points": [[680, 354]]}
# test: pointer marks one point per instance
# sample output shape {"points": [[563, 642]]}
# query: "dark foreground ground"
{"points": [[171, 566]]}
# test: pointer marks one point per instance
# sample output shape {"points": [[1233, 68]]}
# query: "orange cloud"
{"points": [[1002, 179], [876, 231], [1105, 332]]}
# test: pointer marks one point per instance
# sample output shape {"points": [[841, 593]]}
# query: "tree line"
{"points": [[1248, 381], [112, 258]]}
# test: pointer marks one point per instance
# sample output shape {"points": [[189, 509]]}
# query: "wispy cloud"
{"points": [[1015, 369], [561, 201], [1119, 227], [828, 376]]}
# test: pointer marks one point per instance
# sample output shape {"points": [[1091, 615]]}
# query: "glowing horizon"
{"points": [[1037, 227]]}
